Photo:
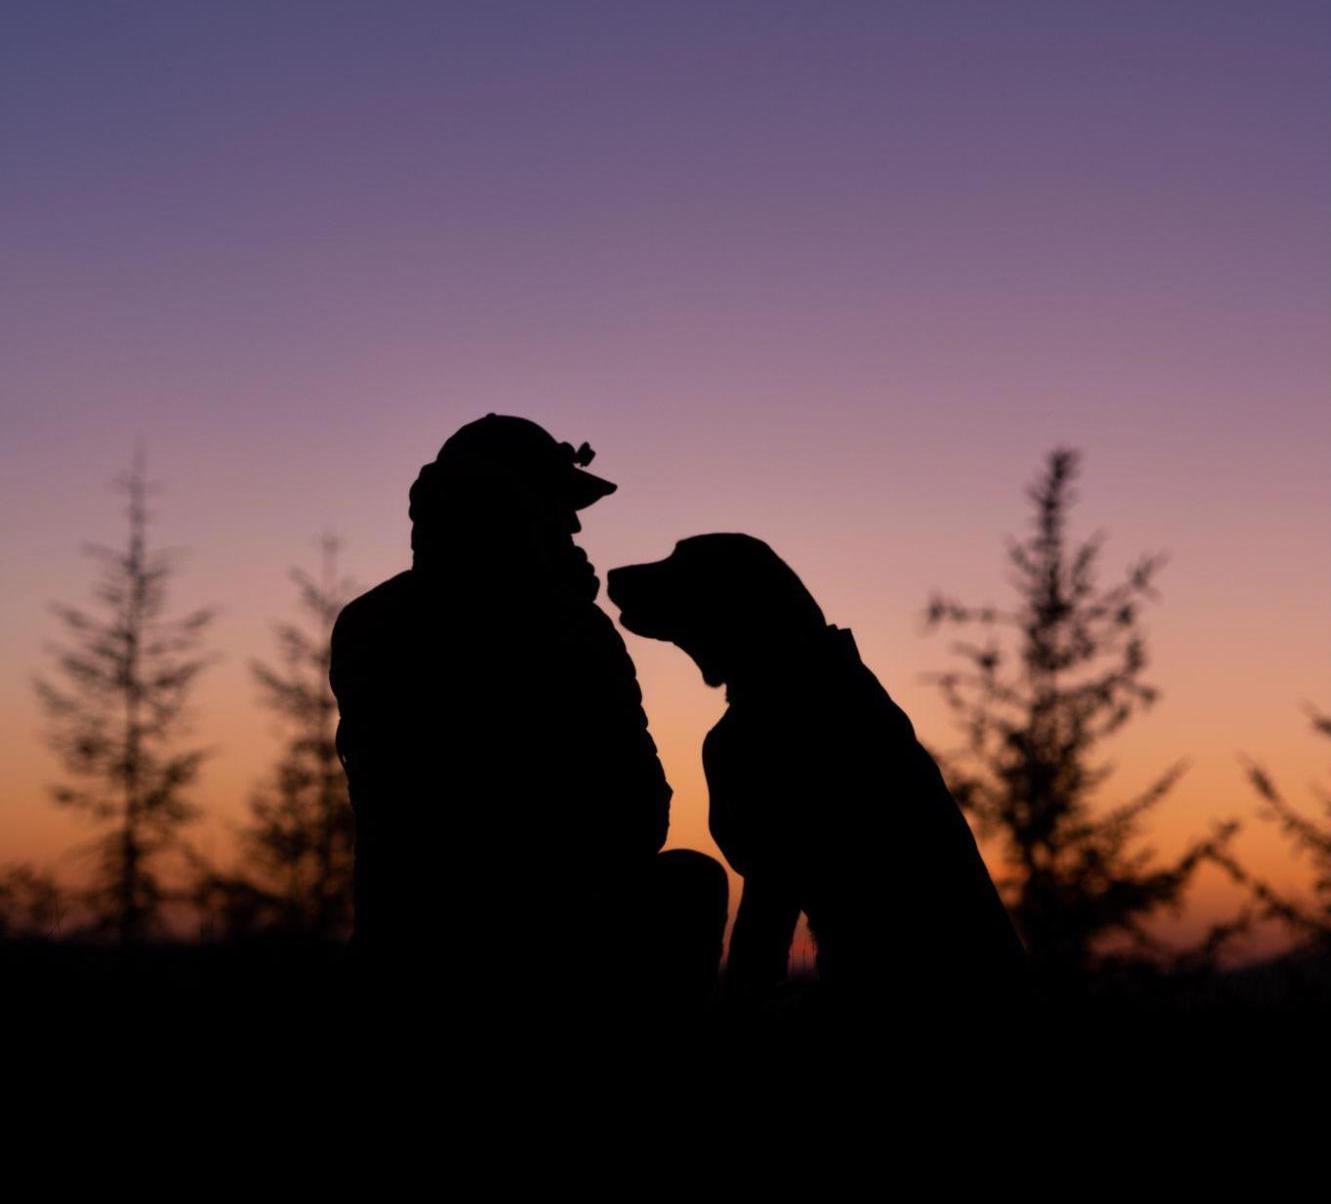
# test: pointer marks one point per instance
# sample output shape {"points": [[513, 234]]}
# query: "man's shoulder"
{"points": [[387, 595], [385, 603]]}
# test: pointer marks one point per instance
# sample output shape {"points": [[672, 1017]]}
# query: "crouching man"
{"points": [[510, 804]]}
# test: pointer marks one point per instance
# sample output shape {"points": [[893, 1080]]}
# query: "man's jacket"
{"points": [[499, 762]]}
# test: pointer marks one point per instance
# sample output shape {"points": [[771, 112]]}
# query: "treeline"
{"points": [[1038, 687]]}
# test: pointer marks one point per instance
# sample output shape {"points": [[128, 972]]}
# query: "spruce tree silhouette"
{"points": [[1035, 709], [510, 805], [295, 876], [116, 711]]}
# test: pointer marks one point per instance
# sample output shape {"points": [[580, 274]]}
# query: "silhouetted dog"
{"points": [[821, 796]]}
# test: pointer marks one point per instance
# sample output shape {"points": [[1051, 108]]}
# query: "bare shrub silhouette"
{"points": [[1309, 921], [31, 903]]}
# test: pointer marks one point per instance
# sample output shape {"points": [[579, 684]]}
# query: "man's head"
{"points": [[729, 601], [529, 456], [503, 491]]}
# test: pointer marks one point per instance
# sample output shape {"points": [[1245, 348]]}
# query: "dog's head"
{"points": [[726, 600]]}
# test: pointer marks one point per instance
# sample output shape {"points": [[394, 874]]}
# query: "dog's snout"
{"points": [[639, 592], [615, 584]]}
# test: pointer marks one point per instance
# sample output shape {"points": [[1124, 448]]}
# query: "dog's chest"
{"points": [[761, 767]]}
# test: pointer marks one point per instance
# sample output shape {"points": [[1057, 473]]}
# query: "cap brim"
{"points": [[582, 488]]}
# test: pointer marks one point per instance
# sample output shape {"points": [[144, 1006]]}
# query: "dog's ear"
{"points": [[761, 590]]}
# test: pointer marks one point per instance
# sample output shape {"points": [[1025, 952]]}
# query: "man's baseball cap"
{"points": [[531, 453]]}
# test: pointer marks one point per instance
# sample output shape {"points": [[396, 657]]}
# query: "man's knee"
{"points": [[692, 895]]}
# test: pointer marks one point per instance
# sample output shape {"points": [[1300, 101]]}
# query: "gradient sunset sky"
{"points": [[835, 274]]}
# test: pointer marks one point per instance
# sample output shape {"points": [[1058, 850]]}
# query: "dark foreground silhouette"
{"points": [[510, 804], [821, 796]]}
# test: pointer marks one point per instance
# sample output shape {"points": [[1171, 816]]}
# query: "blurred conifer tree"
{"points": [[1043, 686], [116, 706], [297, 847]]}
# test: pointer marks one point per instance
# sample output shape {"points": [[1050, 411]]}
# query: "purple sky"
{"points": [[835, 273]]}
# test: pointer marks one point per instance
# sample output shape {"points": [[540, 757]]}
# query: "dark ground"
{"points": [[278, 1036], [283, 987]]}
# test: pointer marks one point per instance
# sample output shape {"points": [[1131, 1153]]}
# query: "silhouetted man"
{"points": [[510, 804]]}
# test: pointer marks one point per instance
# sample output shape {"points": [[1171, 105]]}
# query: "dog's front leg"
{"points": [[760, 943]]}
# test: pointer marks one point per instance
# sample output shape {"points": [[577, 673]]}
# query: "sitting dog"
{"points": [[821, 797]]}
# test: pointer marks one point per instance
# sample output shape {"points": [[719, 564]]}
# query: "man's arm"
{"points": [[621, 772]]}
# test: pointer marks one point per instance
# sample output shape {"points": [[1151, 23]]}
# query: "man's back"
{"points": [[499, 762]]}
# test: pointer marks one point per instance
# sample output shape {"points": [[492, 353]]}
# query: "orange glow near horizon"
{"points": [[1207, 727]]}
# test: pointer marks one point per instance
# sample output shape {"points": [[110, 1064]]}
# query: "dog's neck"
{"points": [[789, 670]]}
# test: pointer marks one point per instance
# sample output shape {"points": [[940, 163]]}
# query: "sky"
{"points": [[835, 274]]}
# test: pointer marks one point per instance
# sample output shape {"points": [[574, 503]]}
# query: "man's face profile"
{"points": [[568, 562]]}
